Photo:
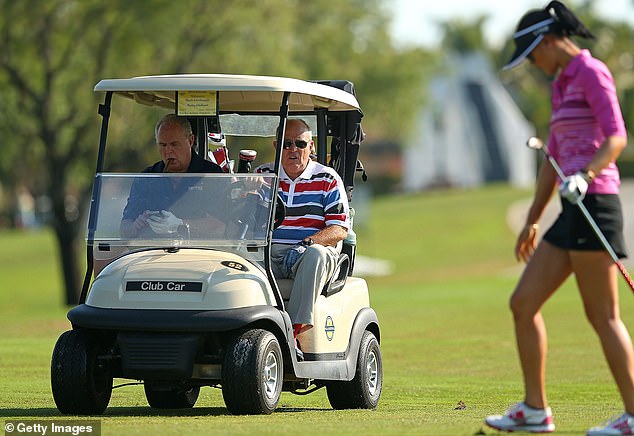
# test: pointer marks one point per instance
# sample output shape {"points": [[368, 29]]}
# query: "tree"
{"points": [[49, 120], [464, 37], [54, 52]]}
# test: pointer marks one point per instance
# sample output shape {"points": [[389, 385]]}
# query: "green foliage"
{"points": [[447, 334], [53, 53], [463, 37]]}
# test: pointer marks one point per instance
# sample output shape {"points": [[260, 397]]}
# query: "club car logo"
{"points": [[329, 328], [151, 285]]}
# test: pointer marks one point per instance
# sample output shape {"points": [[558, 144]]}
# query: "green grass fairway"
{"points": [[446, 334]]}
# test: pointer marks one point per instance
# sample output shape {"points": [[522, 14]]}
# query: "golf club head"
{"points": [[535, 143]]}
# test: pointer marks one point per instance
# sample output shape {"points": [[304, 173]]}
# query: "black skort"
{"points": [[571, 230]]}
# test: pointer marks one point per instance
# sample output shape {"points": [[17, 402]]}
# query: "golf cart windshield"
{"points": [[182, 210]]}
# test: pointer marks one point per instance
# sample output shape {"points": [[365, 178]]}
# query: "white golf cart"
{"points": [[200, 306]]}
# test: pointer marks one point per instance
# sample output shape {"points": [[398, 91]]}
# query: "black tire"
{"points": [[364, 390], [253, 373], [175, 398], [81, 384]]}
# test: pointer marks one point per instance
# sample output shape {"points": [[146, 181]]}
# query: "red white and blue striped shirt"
{"points": [[585, 110], [314, 200]]}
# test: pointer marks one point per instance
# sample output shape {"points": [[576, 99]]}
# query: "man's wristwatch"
{"points": [[307, 242]]}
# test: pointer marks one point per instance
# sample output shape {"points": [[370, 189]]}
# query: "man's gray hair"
{"points": [[174, 119], [296, 120]]}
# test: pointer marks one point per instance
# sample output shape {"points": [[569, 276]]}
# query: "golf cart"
{"points": [[199, 306]]}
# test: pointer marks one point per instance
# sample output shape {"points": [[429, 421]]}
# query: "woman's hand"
{"points": [[526, 242]]}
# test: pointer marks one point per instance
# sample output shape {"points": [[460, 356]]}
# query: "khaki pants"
{"points": [[310, 274]]}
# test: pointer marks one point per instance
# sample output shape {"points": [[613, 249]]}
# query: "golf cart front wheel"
{"points": [[81, 383], [364, 390], [174, 398], [253, 373]]}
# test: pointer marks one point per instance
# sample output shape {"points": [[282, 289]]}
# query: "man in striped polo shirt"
{"points": [[317, 219]]}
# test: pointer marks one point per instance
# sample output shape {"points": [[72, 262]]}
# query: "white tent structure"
{"points": [[471, 132]]}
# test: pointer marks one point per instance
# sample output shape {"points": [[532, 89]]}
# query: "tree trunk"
{"points": [[66, 225], [67, 243]]}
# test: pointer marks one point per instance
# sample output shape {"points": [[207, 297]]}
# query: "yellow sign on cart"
{"points": [[196, 103]]}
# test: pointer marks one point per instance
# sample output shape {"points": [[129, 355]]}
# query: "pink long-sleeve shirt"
{"points": [[585, 110]]}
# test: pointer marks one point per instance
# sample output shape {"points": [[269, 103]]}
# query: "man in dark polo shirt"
{"points": [[153, 202]]}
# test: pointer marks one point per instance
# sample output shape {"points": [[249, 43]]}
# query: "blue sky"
{"points": [[414, 20]]}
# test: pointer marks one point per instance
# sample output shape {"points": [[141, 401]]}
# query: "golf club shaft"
{"points": [[554, 164], [597, 230], [593, 224]]}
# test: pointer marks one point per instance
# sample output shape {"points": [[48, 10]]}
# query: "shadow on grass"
{"points": [[120, 411], [144, 411], [10, 413]]}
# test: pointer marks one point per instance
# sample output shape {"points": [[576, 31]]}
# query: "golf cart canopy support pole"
{"points": [[281, 131], [322, 136], [104, 111]]}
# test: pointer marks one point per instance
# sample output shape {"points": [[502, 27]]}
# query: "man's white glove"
{"points": [[574, 188], [164, 222]]}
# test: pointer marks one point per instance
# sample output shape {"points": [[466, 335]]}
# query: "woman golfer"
{"points": [[587, 134]]}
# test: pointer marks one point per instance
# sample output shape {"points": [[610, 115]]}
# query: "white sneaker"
{"points": [[624, 424], [523, 418]]}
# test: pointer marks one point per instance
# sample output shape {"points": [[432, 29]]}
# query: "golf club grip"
{"points": [[625, 275]]}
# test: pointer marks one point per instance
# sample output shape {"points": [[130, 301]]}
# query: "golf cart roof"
{"points": [[236, 93]]}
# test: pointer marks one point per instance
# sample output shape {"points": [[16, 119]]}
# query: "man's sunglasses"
{"points": [[299, 143]]}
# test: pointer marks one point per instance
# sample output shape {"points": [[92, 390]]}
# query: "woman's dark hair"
{"points": [[567, 23]]}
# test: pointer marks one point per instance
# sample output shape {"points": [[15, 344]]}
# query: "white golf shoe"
{"points": [[622, 425], [521, 417]]}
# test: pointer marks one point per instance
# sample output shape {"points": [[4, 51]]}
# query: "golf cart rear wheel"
{"points": [[175, 398], [364, 390], [252, 373], [81, 384]]}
